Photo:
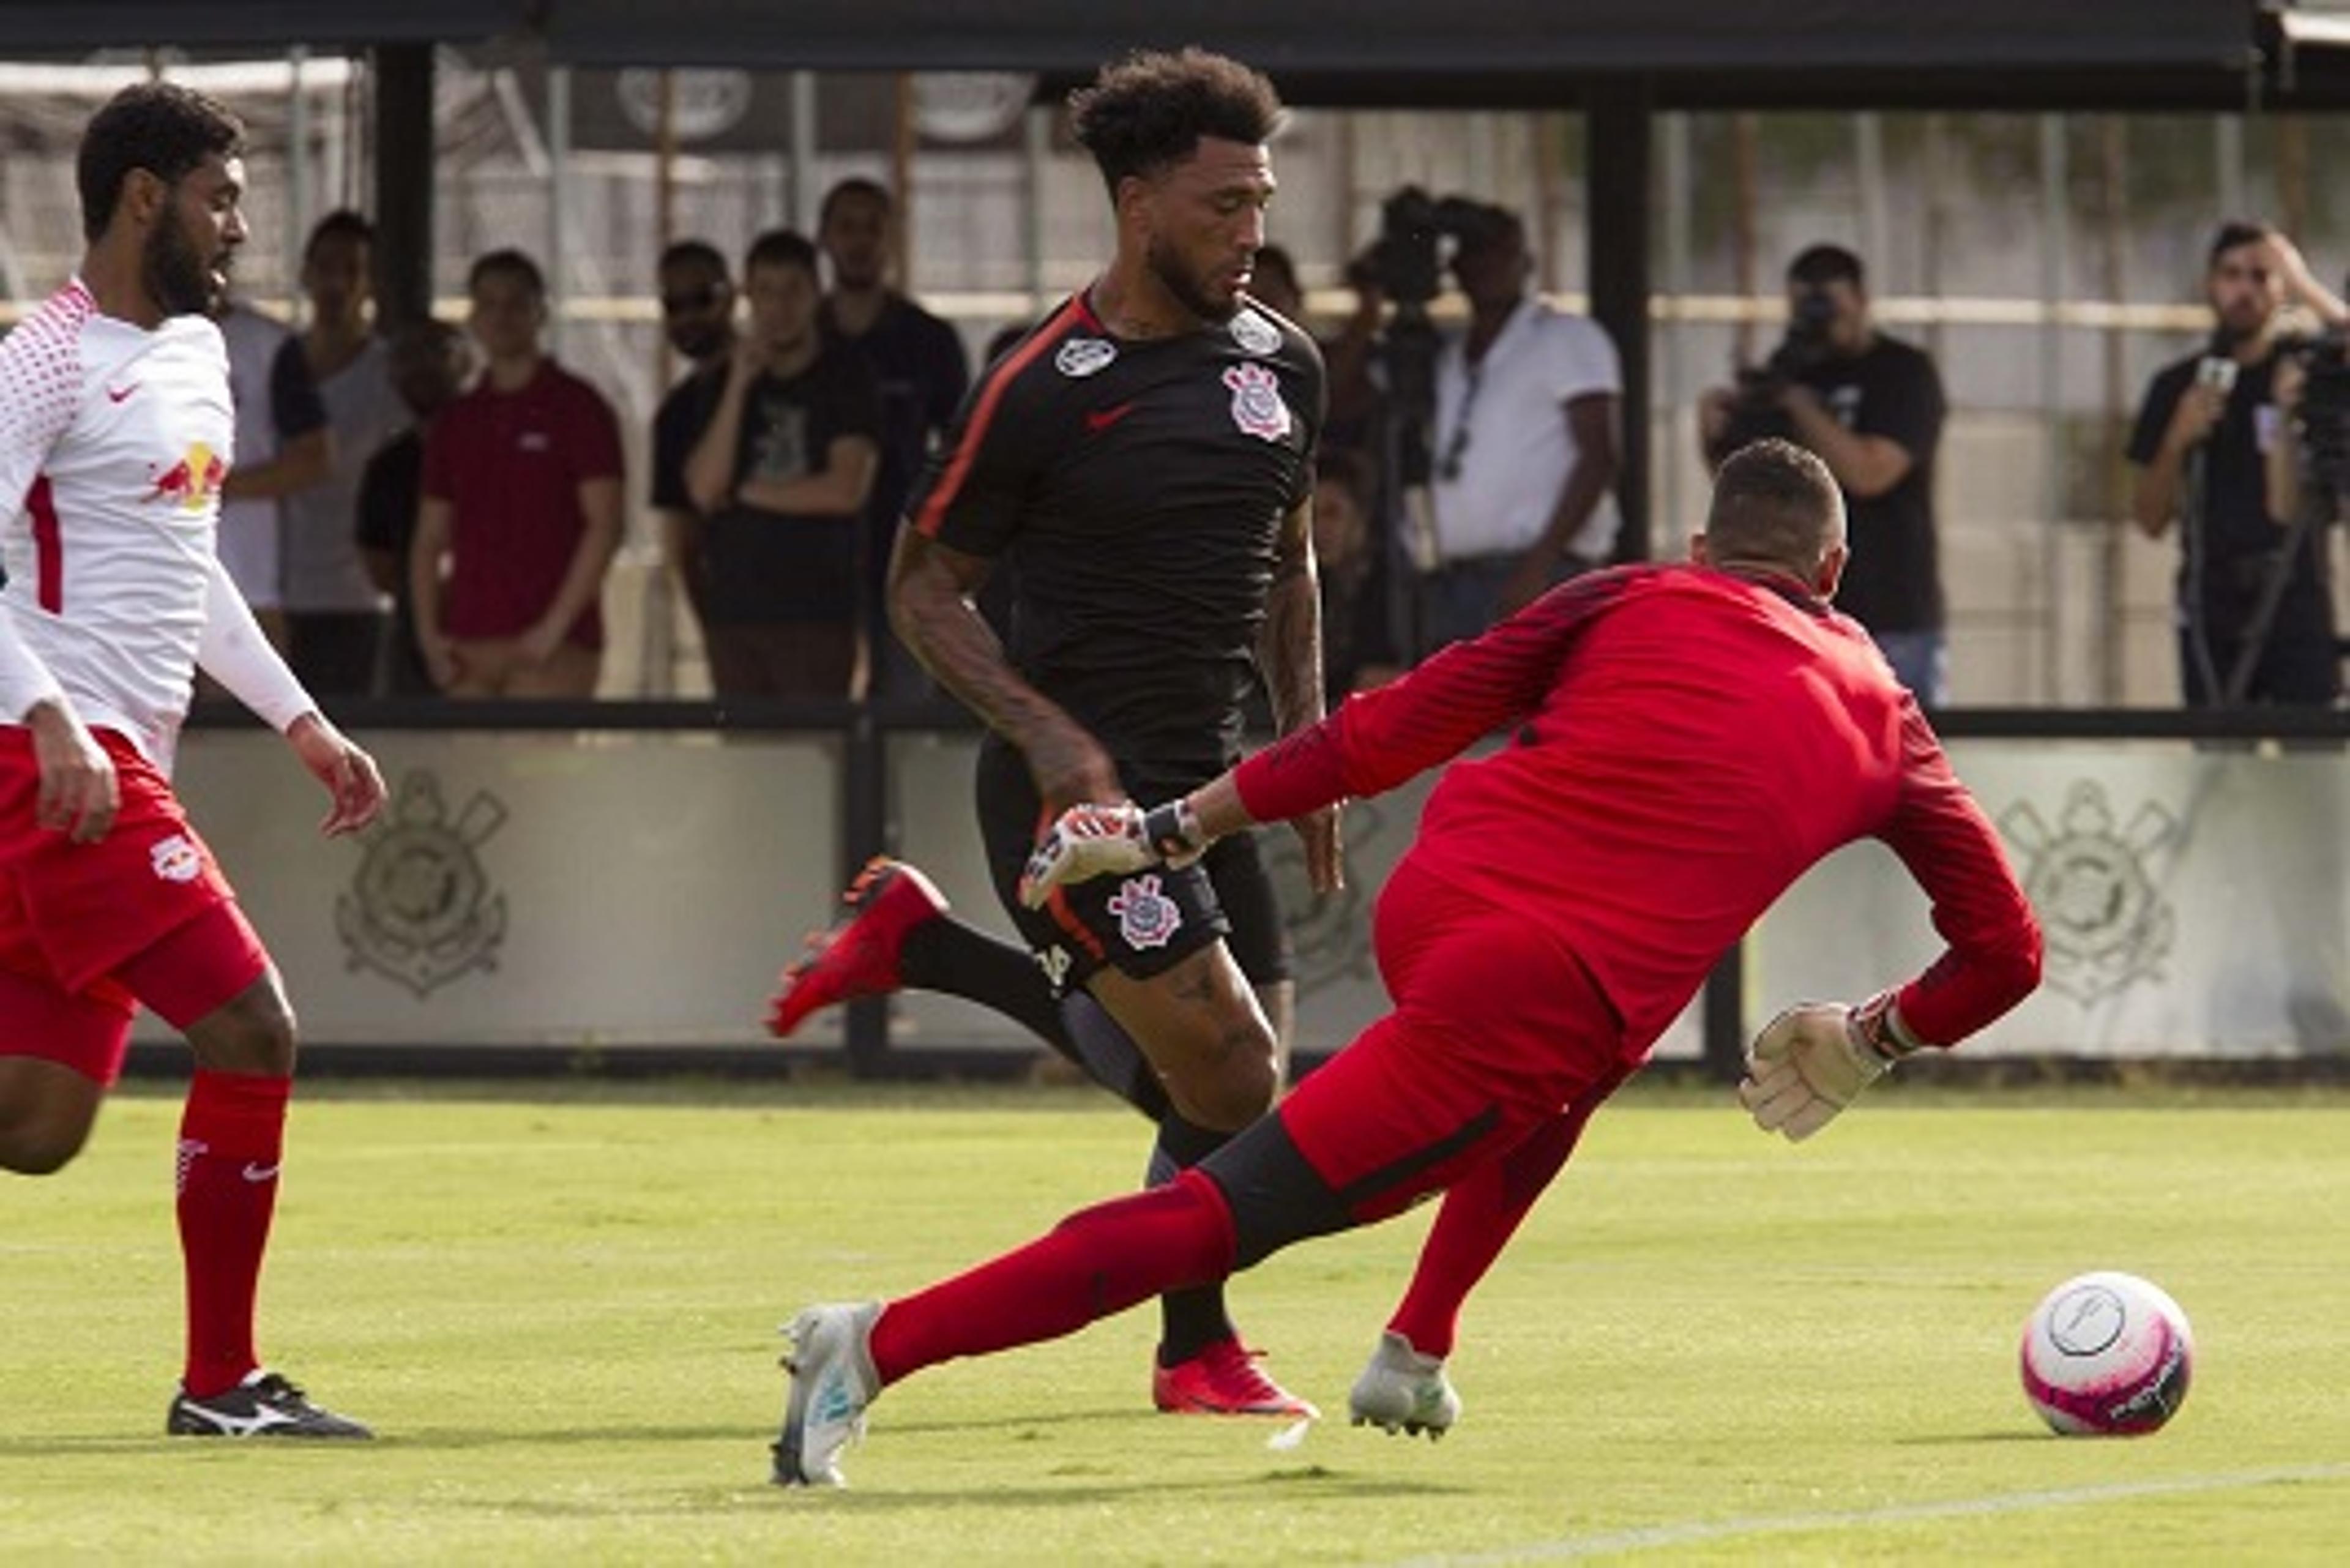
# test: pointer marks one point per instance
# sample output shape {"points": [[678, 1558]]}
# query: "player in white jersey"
{"points": [[115, 435]]}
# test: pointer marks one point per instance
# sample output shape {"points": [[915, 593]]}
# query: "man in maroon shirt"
{"points": [[521, 511], [1684, 741]]}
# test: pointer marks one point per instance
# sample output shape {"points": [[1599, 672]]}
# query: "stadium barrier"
{"points": [[613, 886]]}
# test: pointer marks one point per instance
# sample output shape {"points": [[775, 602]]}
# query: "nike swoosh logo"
{"points": [[1100, 420], [255, 1171], [117, 394]]}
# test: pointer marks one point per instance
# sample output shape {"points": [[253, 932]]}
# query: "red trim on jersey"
{"points": [[933, 514], [48, 548]]}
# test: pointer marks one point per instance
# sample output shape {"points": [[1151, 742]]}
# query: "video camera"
{"points": [[1756, 414], [1404, 261], [2324, 361]]}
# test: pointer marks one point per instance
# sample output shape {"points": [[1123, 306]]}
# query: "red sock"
{"points": [[1097, 1261], [1478, 1216], [230, 1138]]}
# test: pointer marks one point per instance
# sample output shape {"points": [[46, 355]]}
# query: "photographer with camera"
{"points": [[1871, 406], [1503, 434], [2215, 449]]}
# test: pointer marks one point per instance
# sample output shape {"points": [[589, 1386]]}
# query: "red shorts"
{"points": [[73, 917], [1497, 1029]]}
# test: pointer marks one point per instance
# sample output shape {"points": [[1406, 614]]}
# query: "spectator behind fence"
{"points": [[521, 510], [334, 612], [917, 362], [1872, 408], [696, 304], [1525, 444], [283, 448], [782, 472], [2255, 612], [430, 362]]}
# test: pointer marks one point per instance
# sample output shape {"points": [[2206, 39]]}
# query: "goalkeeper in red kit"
{"points": [[1681, 744]]}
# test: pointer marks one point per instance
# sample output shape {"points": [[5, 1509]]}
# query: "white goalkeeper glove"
{"points": [[1093, 840], [1814, 1060]]}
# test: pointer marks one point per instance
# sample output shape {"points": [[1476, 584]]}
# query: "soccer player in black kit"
{"points": [[1143, 462]]}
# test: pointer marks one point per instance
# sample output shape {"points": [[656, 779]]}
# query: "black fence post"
{"points": [[1725, 1017], [864, 820], [403, 183]]}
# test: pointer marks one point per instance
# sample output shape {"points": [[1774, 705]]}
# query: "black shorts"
{"points": [[1141, 925]]}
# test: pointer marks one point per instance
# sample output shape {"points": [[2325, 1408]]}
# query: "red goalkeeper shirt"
{"points": [[1683, 743]]}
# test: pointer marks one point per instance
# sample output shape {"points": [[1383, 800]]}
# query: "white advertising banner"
{"points": [[642, 888], [2192, 899], [560, 888]]}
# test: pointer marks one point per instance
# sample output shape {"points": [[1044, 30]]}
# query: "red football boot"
{"points": [[859, 957], [1225, 1380]]}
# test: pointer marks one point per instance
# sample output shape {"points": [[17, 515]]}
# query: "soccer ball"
{"points": [[2107, 1354]]}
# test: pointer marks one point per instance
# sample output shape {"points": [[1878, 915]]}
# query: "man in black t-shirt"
{"points": [[780, 476], [697, 307], [430, 362], [1144, 462], [2204, 432], [919, 363], [1872, 408]]}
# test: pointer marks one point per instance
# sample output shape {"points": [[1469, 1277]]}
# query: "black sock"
{"points": [[1191, 1320], [1106, 1051], [945, 955], [962, 961]]}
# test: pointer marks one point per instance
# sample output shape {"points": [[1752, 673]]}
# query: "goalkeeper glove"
{"points": [[1094, 840], [1814, 1059]]}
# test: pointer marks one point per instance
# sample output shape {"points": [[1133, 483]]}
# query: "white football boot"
{"points": [[833, 1381], [1403, 1391]]}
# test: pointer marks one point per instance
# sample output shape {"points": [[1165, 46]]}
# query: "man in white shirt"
{"points": [[1525, 447], [115, 431]]}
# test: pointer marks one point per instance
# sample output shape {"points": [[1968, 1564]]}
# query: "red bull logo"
{"points": [[192, 482]]}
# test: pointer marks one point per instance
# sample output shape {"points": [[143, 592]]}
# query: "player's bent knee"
{"points": [[41, 1148], [1234, 1092], [254, 1034]]}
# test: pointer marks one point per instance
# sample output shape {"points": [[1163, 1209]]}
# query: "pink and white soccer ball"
{"points": [[2107, 1354]]}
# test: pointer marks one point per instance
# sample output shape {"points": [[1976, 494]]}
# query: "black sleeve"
{"points": [[1316, 414], [2162, 395], [1908, 408], [293, 404], [972, 489]]}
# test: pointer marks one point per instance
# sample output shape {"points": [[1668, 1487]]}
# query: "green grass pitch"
{"points": [[1707, 1346]]}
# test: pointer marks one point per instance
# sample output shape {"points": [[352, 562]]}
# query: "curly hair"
{"points": [[1149, 110], [161, 127]]}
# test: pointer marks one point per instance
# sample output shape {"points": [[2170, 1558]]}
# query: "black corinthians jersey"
{"points": [[1135, 489]]}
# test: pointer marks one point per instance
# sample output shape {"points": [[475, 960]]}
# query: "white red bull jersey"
{"points": [[114, 442]]}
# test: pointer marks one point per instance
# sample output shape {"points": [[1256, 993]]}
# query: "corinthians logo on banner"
{"points": [[2105, 924], [421, 909]]}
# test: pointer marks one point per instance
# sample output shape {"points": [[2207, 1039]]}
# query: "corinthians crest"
{"points": [[420, 910], [2105, 924]]}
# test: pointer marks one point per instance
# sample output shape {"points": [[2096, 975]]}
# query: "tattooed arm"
{"points": [[1289, 652]]}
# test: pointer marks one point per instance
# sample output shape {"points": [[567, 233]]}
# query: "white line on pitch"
{"points": [[1695, 1530]]}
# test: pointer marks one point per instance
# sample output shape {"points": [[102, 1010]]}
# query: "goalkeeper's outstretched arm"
{"points": [[1812, 1060]]}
